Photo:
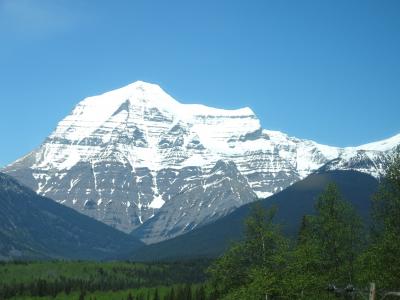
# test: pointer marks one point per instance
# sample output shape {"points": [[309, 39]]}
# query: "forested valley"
{"points": [[334, 255]]}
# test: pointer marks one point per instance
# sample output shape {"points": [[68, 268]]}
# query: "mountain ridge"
{"points": [[121, 156]]}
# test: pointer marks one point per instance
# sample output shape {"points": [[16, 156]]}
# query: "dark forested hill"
{"points": [[292, 203], [33, 227]]}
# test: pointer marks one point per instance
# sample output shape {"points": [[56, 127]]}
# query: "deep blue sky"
{"points": [[322, 70]]}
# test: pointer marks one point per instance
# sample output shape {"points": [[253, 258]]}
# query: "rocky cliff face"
{"points": [[135, 158]]}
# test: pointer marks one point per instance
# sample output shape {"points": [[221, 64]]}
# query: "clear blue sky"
{"points": [[322, 70]]}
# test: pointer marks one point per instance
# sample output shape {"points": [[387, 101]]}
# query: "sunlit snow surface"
{"points": [[174, 135], [146, 109]]}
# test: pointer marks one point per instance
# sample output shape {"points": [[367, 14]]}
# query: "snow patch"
{"points": [[263, 195], [157, 202]]}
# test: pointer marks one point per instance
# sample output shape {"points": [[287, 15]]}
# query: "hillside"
{"points": [[292, 203], [34, 227]]}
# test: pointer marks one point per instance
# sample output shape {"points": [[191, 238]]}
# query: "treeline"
{"points": [[39, 279], [175, 292], [184, 292], [332, 255]]}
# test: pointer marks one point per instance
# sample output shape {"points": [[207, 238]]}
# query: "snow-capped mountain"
{"points": [[136, 156]]}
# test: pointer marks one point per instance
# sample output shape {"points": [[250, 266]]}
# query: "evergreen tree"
{"points": [[336, 230], [200, 293], [156, 296], [180, 293], [82, 295], [305, 263], [172, 294], [326, 249], [381, 263], [187, 292]]}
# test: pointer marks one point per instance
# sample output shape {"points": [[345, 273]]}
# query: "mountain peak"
{"points": [[142, 83], [120, 152], [142, 102], [138, 90], [141, 86], [154, 94]]}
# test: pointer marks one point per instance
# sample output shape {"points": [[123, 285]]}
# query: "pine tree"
{"points": [[381, 263], [171, 295], [337, 231], [82, 295], [156, 296], [200, 293], [187, 291], [304, 271], [327, 247]]}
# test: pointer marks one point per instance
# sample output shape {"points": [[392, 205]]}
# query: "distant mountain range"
{"points": [[34, 227], [138, 160]]}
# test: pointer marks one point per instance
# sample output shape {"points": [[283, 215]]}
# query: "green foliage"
{"points": [[82, 280], [381, 262], [161, 292], [327, 246], [304, 271], [264, 263], [337, 231], [253, 267]]}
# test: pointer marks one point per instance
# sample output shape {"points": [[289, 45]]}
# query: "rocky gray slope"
{"points": [[199, 198], [137, 159]]}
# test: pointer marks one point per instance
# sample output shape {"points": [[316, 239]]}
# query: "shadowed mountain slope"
{"points": [[34, 227], [292, 203]]}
